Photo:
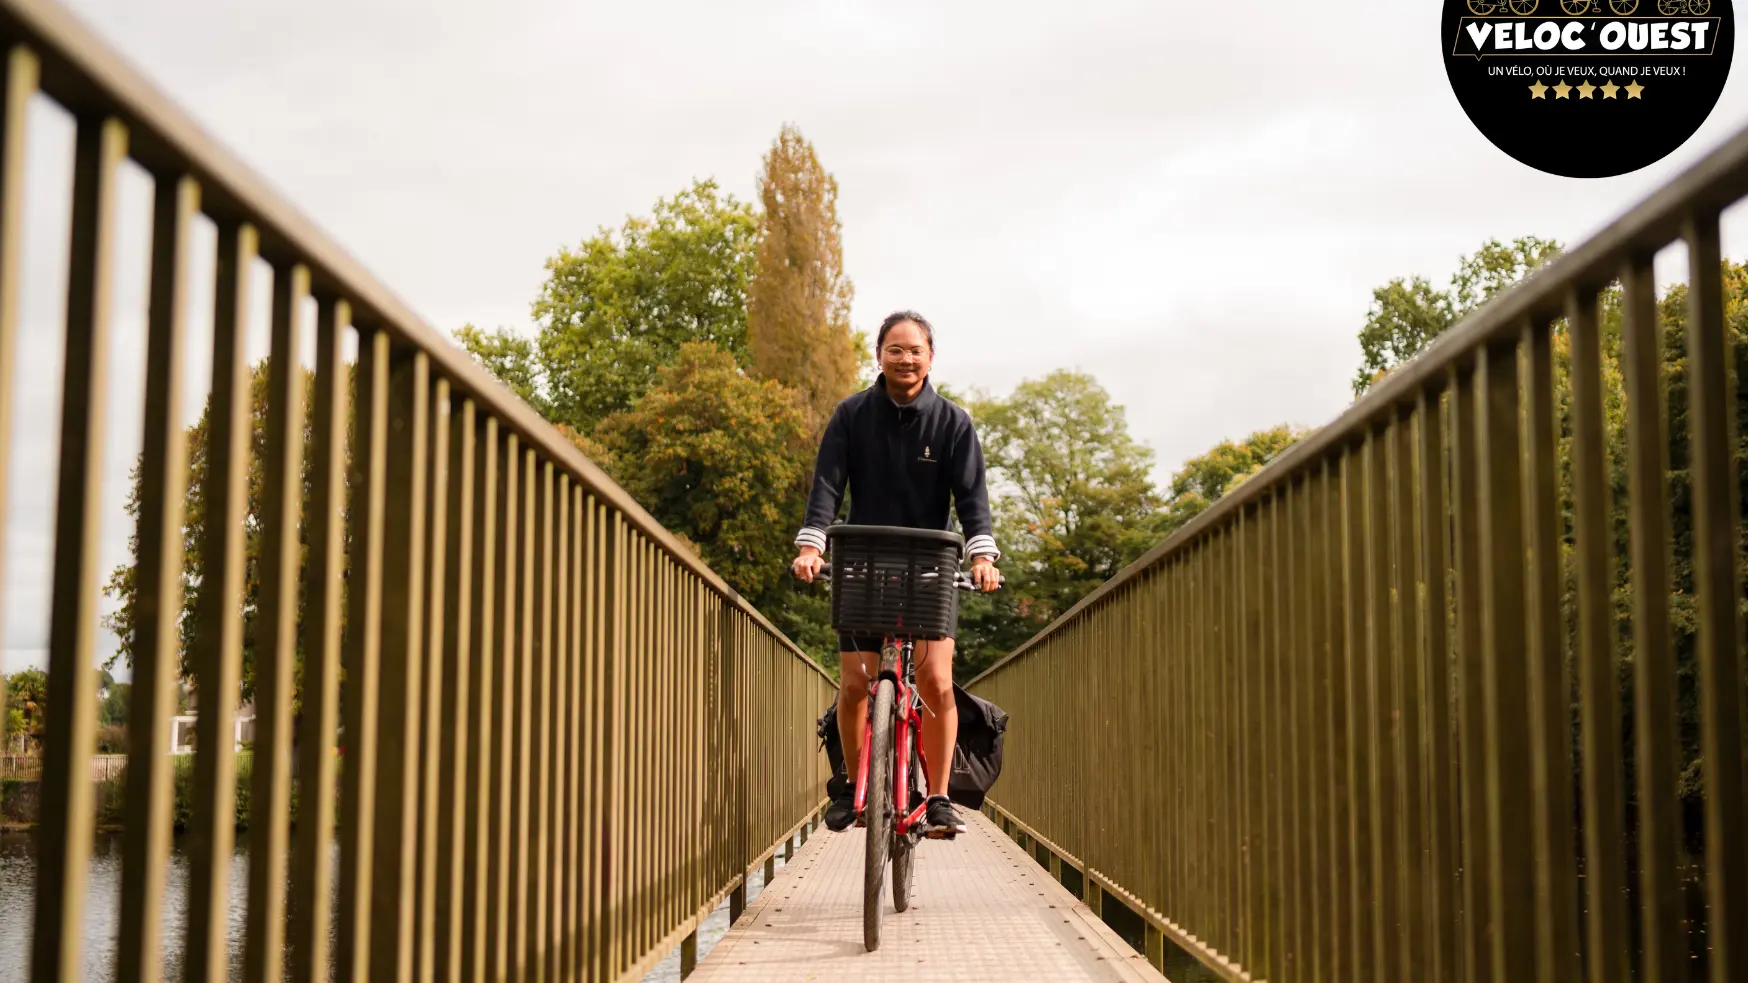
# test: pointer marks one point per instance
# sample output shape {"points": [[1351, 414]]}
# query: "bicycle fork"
{"points": [[909, 723]]}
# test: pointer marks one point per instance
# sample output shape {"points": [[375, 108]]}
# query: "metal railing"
{"points": [[1326, 730], [565, 739]]}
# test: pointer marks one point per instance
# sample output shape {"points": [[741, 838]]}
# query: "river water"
{"points": [[18, 871], [103, 906]]}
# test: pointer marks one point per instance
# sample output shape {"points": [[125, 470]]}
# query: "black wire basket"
{"points": [[890, 580]]}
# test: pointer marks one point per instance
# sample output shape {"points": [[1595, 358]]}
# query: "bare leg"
{"points": [[853, 671], [934, 683]]}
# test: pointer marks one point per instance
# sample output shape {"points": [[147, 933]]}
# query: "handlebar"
{"points": [[961, 579]]}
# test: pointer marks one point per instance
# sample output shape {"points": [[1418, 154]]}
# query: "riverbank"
{"points": [[21, 798]]}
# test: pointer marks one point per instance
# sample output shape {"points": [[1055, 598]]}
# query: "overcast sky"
{"points": [[1189, 201]]}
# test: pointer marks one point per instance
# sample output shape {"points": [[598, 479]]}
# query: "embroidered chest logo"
{"points": [[926, 458]]}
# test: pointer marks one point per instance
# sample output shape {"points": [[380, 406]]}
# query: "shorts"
{"points": [[861, 643]]}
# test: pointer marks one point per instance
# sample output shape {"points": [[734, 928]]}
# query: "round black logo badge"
{"points": [[1588, 88]]}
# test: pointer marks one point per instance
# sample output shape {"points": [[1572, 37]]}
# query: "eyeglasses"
{"points": [[897, 354]]}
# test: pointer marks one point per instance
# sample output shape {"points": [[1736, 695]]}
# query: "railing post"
{"points": [[689, 954], [1156, 948]]}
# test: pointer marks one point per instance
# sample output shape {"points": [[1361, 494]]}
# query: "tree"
{"points": [[27, 701], [1073, 505], [798, 304], [1407, 313], [1204, 479], [123, 583], [617, 308], [720, 459]]}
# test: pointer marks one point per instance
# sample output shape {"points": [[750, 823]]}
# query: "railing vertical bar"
{"points": [[1437, 752], [1225, 838], [559, 809], [436, 729], [1717, 548], [163, 487], [1331, 522], [1654, 670], [1291, 817], [1605, 846], [540, 835], [276, 630], [218, 633], [311, 864], [362, 657], [618, 561], [1357, 497], [18, 83], [1249, 939], [66, 817], [1405, 663], [403, 566], [1383, 798], [1465, 486], [1510, 831], [1309, 904], [522, 718], [452, 916], [500, 958], [1556, 872], [479, 879], [1277, 718], [599, 699], [577, 867]]}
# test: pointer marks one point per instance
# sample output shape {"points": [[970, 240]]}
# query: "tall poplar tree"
{"points": [[798, 304]]}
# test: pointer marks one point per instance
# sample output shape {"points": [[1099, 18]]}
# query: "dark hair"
{"points": [[899, 317]]}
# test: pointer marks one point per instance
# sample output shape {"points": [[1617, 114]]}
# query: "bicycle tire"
{"points": [[1623, 8], [877, 812], [904, 845]]}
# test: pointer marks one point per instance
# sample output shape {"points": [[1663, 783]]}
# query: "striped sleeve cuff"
{"points": [[982, 546], [809, 536]]}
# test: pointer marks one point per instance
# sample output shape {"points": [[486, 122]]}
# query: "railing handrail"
{"points": [[84, 74], [1710, 184]]}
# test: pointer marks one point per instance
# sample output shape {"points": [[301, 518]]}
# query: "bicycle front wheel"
{"points": [[877, 812]]}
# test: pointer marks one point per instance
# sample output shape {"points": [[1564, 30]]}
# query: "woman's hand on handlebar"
{"points": [[983, 574], [807, 565]]}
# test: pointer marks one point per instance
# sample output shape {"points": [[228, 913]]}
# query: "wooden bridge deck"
{"points": [[982, 910]]}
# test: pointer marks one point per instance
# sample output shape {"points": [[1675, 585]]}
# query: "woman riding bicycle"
{"points": [[906, 455]]}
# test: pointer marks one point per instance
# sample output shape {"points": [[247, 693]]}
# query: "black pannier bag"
{"points": [[976, 755]]}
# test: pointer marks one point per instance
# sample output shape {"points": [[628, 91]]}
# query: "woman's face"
{"points": [[905, 355]]}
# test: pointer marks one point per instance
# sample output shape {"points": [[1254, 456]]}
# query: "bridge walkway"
{"points": [[982, 910]]}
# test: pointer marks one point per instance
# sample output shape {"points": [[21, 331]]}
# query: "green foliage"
{"points": [[1073, 505], [1408, 313], [798, 304], [27, 701], [618, 308], [718, 458], [1205, 478], [112, 711]]}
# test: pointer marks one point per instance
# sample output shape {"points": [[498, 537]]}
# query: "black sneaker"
{"points": [[842, 811], [942, 820]]}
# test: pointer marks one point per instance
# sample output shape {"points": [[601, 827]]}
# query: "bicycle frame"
{"points": [[907, 735]]}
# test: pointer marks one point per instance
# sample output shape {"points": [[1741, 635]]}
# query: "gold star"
{"points": [[1634, 89], [1585, 89], [1562, 91], [1609, 89], [1538, 91]]}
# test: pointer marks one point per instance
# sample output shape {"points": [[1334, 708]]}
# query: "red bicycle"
{"points": [[899, 584]]}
